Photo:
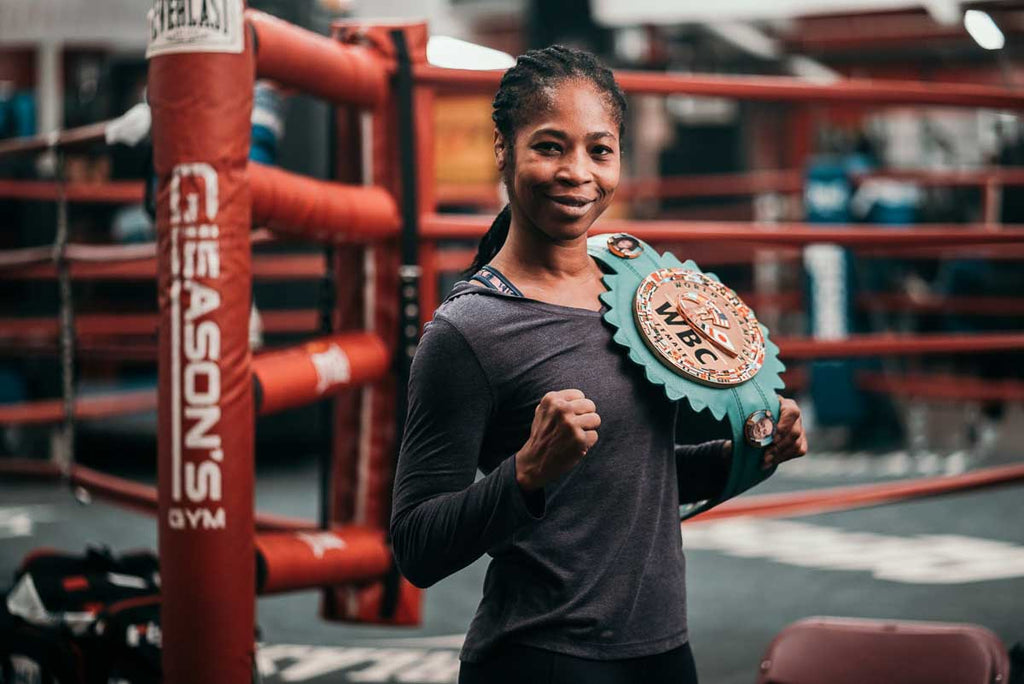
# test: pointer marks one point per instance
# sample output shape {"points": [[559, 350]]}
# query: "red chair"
{"points": [[831, 650]]}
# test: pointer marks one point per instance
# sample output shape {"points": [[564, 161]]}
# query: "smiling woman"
{"points": [[567, 163], [559, 117], [517, 375]]}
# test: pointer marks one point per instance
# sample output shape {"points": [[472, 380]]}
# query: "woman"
{"points": [[517, 375]]}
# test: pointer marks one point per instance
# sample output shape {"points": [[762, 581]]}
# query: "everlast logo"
{"points": [[671, 316], [332, 368], [321, 542], [195, 26], [168, 15], [195, 349]]}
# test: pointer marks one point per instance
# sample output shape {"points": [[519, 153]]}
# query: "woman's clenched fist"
{"points": [[564, 428]]}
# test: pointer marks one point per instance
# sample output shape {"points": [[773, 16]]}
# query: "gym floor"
{"points": [[956, 558]]}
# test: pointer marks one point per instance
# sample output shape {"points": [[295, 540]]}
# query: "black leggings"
{"points": [[514, 664]]}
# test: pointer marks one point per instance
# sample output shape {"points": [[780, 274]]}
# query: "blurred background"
{"points": [[68, 63], [65, 64]]}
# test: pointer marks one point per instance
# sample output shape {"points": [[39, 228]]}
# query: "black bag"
{"points": [[131, 640], [79, 619], [31, 654]]}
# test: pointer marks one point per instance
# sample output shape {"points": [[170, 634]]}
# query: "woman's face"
{"points": [[566, 162]]}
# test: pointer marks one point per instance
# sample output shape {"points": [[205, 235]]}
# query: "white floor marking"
{"points": [[445, 641], [297, 663], [921, 559], [20, 521], [893, 464], [387, 664]]}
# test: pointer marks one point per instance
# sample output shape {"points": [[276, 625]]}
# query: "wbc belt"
{"points": [[696, 339]]}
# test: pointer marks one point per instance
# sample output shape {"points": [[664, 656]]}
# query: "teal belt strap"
{"points": [[628, 266]]}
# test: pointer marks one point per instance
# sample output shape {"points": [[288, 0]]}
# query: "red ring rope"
{"points": [[143, 498], [456, 226], [887, 92], [264, 267], [113, 192], [848, 498]]}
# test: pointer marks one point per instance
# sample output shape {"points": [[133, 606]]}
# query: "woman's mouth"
{"points": [[571, 200], [572, 204]]}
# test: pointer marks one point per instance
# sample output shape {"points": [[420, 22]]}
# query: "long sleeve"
{"points": [[442, 520], [703, 470]]}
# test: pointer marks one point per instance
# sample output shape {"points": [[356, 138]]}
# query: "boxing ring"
{"points": [[379, 222]]}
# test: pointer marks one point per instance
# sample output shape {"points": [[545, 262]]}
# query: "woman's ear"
{"points": [[500, 151]]}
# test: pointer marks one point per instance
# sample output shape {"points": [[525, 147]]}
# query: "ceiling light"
{"points": [[452, 53], [983, 30]]}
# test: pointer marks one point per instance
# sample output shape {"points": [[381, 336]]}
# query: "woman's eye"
{"points": [[548, 147], [603, 151]]}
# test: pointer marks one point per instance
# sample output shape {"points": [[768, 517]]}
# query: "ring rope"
{"points": [[88, 253], [113, 326], [918, 385], [143, 498], [774, 88], [112, 192], [139, 266], [58, 140], [458, 227], [783, 181], [834, 499]]}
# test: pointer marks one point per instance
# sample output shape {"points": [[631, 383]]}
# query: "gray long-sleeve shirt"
{"points": [[592, 565]]}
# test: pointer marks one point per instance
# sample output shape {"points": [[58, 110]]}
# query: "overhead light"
{"points": [[452, 53], [812, 70], [747, 38], [983, 30], [945, 12]]}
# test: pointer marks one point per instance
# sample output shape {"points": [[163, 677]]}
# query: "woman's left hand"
{"points": [[790, 440]]}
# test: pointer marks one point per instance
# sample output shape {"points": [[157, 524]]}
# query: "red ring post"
{"points": [[201, 104]]}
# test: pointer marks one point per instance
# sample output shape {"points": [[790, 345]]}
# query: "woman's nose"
{"points": [[575, 168]]}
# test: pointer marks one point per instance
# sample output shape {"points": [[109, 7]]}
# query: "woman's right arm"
{"points": [[441, 519]]}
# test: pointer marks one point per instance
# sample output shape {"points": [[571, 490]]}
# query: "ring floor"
{"points": [[955, 558]]}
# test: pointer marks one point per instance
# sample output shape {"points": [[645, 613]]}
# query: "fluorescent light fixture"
{"points": [[747, 38], [452, 53], [983, 30], [945, 12]]}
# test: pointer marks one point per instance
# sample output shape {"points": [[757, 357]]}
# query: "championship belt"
{"points": [[693, 336]]}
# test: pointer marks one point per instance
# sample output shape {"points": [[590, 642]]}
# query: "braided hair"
{"points": [[523, 90]]}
